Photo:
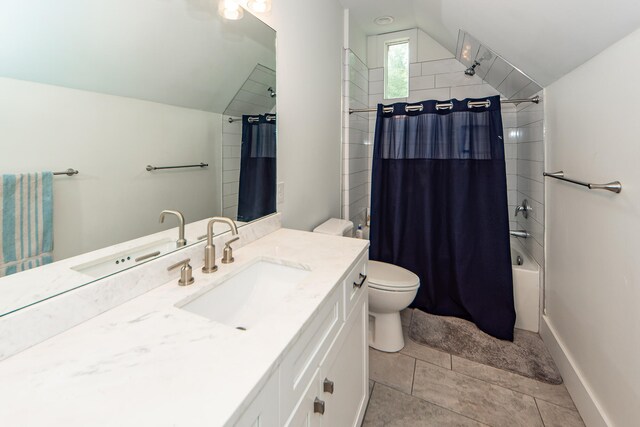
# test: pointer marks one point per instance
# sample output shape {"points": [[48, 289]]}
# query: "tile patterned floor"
{"points": [[422, 386]]}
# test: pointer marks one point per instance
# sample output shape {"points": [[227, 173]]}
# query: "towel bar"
{"points": [[614, 186], [68, 172], [155, 168]]}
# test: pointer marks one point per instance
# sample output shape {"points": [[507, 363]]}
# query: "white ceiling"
{"points": [[544, 38], [177, 52]]}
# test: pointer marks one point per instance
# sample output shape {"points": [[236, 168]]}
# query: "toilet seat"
{"points": [[389, 277]]}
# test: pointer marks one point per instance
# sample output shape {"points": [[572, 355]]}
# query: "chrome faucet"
{"points": [[210, 250], [181, 240]]}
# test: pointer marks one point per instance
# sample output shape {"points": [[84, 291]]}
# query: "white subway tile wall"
{"points": [[445, 79], [356, 179], [231, 142], [530, 154]]}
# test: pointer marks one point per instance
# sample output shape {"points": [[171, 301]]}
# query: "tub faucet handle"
{"points": [[525, 208]]}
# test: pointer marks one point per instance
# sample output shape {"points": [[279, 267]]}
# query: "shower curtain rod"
{"points": [[269, 117], [535, 100]]}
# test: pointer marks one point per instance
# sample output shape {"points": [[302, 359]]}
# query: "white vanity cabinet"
{"points": [[323, 378]]}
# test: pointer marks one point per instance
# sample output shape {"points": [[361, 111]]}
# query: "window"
{"points": [[396, 76]]}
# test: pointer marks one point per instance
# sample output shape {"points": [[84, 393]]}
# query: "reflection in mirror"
{"points": [[109, 88], [249, 154], [257, 185]]}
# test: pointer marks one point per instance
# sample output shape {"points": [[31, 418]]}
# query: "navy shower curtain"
{"points": [[257, 190], [439, 209]]}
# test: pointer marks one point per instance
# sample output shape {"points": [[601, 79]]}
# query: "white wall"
{"points": [[355, 150], [110, 140], [356, 38], [356, 171], [309, 75], [530, 186], [593, 237], [231, 148]]}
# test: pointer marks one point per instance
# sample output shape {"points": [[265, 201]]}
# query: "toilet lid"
{"points": [[391, 277]]}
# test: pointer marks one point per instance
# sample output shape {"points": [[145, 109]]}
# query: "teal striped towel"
{"points": [[26, 221]]}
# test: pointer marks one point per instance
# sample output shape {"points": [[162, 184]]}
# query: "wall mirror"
{"points": [[112, 88]]}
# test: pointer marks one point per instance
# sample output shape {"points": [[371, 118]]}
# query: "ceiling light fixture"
{"points": [[259, 6], [383, 20], [230, 9]]}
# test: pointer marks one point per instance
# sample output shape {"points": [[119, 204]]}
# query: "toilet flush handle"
{"points": [[363, 277]]}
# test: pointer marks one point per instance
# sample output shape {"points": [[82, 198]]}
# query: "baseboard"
{"points": [[584, 399]]}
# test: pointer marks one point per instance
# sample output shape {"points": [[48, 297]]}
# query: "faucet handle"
{"points": [[186, 277], [227, 253], [231, 241], [525, 208]]}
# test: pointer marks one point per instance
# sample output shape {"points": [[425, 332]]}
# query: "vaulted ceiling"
{"points": [[544, 38]]}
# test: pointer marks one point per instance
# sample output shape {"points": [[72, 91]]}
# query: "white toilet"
{"points": [[391, 289]]}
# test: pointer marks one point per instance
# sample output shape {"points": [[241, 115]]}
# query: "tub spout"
{"points": [[520, 233]]}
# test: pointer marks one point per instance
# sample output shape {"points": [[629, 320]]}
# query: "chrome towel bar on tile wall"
{"points": [[68, 172], [155, 168], [614, 186]]}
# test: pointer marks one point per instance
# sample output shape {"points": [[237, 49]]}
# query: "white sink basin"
{"points": [[242, 300], [114, 263]]}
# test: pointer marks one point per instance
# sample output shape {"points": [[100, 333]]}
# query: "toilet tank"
{"points": [[335, 227]]}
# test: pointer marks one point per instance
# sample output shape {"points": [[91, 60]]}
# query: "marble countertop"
{"points": [[147, 362]]}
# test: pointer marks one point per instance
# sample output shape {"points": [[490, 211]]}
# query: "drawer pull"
{"points": [[318, 406], [327, 386], [363, 277]]}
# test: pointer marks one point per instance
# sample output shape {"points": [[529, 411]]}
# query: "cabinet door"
{"points": [[306, 412], [346, 366], [303, 358], [263, 411]]}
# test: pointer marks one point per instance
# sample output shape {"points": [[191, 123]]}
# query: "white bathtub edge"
{"points": [[526, 290]]}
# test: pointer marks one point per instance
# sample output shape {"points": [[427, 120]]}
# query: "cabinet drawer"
{"points": [[302, 360], [355, 284]]}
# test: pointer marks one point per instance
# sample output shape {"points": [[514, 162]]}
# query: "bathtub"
{"points": [[526, 288]]}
